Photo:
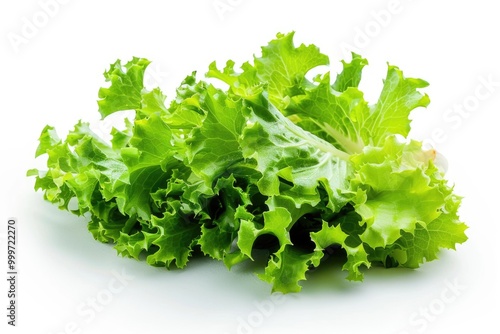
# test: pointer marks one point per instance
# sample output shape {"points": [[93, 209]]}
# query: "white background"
{"points": [[51, 74]]}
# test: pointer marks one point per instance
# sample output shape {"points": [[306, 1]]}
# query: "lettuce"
{"points": [[274, 163]]}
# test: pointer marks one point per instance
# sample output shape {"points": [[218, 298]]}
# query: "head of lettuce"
{"points": [[261, 159]]}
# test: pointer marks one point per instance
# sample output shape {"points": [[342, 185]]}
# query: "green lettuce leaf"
{"points": [[275, 164], [127, 83]]}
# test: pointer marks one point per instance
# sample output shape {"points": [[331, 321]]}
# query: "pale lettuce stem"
{"points": [[320, 143], [349, 145]]}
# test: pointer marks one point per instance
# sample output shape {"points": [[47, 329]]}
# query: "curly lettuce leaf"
{"points": [[292, 161], [127, 83], [282, 66], [276, 163], [408, 208]]}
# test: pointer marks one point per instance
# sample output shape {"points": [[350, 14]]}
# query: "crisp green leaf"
{"points": [[283, 67], [335, 235], [276, 223], [225, 211], [176, 236], [351, 73], [400, 193], [213, 148], [127, 83], [399, 97], [288, 155], [287, 267]]}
